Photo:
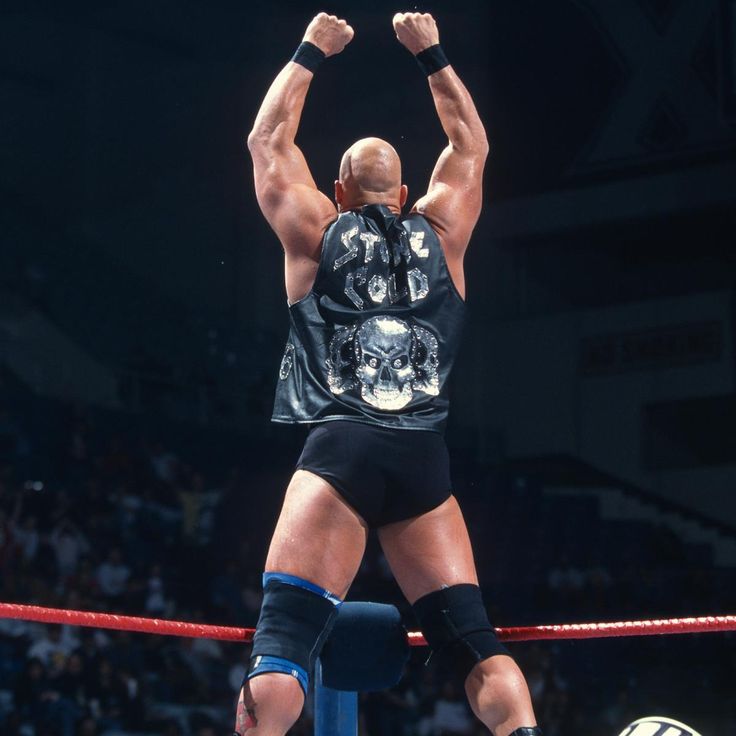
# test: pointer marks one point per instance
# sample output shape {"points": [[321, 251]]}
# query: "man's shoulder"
{"points": [[415, 217], [414, 221], [343, 221]]}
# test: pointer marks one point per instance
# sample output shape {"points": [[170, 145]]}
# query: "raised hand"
{"points": [[330, 34], [416, 31]]}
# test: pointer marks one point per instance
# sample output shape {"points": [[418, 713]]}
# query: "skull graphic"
{"points": [[388, 358], [383, 356]]}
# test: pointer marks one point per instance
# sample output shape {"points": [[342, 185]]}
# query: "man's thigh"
{"points": [[429, 551], [318, 537]]}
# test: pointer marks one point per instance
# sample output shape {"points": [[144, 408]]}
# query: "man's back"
{"points": [[375, 338]]}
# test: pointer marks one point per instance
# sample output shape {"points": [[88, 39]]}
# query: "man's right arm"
{"points": [[287, 194], [453, 201]]}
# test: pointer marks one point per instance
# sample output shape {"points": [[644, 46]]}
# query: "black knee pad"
{"points": [[526, 731], [456, 626], [296, 618]]}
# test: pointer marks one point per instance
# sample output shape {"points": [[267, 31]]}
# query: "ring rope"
{"points": [[691, 625]]}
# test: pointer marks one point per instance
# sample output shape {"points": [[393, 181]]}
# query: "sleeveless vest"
{"points": [[375, 339]]}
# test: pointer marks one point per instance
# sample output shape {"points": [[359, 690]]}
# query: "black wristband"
{"points": [[309, 56], [432, 59]]}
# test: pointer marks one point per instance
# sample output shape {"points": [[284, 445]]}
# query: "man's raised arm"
{"points": [[453, 201], [289, 199]]}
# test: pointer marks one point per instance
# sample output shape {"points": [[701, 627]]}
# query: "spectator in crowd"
{"points": [[38, 700], [73, 681], [191, 487], [226, 594], [451, 716], [27, 539], [91, 643], [53, 646], [114, 697], [392, 712], [165, 464], [156, 604], [113, 576], [69, 544], [565, 577]]}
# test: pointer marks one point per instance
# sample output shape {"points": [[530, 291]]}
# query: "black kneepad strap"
{"points": [[526, 731], [456, 626], [296, 618]]}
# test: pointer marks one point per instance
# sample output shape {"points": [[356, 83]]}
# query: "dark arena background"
{"points": [[143, 318]]}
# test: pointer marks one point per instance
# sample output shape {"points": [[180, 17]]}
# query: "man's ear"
{"points": [[403, 194], [339, 194]]}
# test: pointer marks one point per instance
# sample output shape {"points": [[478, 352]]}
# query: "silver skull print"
{"points": [[383, 359], [387, 359]]}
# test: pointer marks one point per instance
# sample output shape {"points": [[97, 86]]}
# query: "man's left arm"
{"points": [[287, 194]]}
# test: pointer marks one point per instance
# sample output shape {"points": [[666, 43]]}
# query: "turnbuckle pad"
{"points": [[367, 648]]}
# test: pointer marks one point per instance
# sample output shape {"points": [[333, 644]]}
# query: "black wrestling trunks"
{"points": [[386, 475]]}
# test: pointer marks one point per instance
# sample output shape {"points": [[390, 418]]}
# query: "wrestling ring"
{"points": [[372, 634]]}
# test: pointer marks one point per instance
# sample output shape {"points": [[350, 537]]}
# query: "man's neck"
{"points": [[354, 207]]}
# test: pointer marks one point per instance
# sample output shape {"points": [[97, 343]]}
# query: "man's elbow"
{"points": [[256, 140], [268, 141], [480, 138], [264, 136], [475, 145], [470, 138]]}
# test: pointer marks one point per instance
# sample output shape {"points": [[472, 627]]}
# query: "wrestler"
{"points": [[376, 306]]}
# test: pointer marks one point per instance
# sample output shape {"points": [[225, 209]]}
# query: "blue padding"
{"points": [[366, 650], [301, 583], [265, 664]]}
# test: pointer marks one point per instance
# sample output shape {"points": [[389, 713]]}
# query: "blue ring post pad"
{"points": [[264, 664]]}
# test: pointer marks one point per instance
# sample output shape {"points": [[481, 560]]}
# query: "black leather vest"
{"points": [[376, 337]]}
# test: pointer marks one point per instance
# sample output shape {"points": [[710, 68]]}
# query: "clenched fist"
{"points": [[329, 33], [417, 31]]}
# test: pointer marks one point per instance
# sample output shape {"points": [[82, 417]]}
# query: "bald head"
{"points": [[370, 172]]}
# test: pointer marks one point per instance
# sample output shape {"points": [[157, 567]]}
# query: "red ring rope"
{"points": [[699, 625]]}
